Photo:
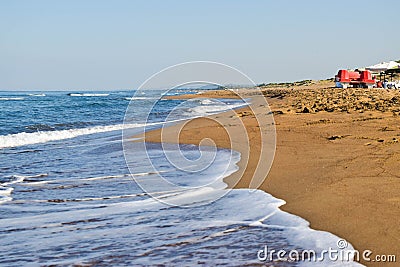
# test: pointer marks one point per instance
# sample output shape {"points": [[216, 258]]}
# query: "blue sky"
{"points": [[107, 45]]}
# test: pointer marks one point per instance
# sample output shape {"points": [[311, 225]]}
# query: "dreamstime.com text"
{"points": [[340, 253]]}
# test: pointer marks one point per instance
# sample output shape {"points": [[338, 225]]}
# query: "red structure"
{"points": [[355, 78]]}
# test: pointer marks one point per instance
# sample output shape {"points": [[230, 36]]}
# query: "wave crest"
{"points": [[23, 138]]}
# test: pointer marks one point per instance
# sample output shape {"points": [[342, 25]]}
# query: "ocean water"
{"points": [[68, 197]]}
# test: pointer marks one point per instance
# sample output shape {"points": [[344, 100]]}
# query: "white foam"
{"points": [[37, 94], [6, 191], [17, 179], [11, 98], [38, 183], [212, 109], [5, 194], [208, 101], [21, 178], [211, 106], [139, 98], [23, 138], [87, 94], [5, 199]]}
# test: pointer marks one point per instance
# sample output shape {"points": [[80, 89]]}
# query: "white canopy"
{"points": [[383, 66]]}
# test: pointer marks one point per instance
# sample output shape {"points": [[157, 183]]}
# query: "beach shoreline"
{"points": [[336, 160]]}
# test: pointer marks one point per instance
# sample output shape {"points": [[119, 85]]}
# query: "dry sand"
{"points": [[336, 163]]}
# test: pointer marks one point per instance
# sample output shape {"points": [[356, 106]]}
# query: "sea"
{"points": [[70, 197]]}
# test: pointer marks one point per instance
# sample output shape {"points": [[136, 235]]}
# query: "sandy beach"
{"points": [[337, 157]]}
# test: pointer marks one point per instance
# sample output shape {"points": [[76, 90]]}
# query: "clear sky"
{"points": [[107, 45]]}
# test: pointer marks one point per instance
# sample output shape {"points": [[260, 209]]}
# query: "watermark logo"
{"points": [[256, 141], [342, 244], [343, 253]]}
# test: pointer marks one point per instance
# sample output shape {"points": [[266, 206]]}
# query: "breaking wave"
{"points": [[23, 138]]}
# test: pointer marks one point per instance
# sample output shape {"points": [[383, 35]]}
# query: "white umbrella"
{"points": [[383, 66]]}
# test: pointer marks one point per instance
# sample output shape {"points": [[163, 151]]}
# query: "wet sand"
{"points": [[337, 157]]}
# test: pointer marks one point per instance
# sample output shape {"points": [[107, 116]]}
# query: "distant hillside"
{"points": [[211, 87]]}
